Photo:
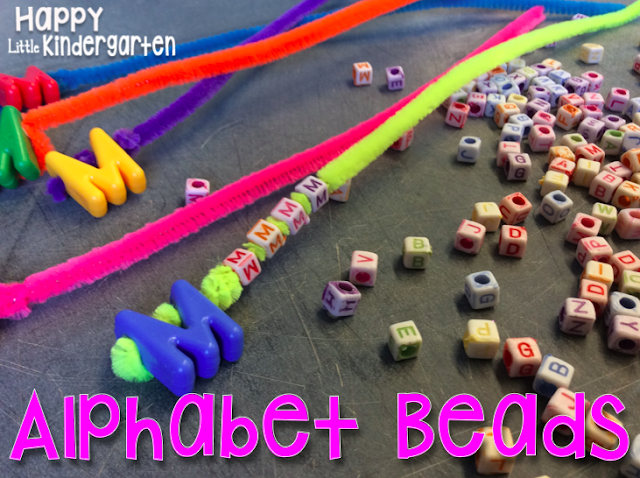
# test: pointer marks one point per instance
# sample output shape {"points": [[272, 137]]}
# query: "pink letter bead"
{"points": [[563, 166], [604, 186], [583, 226], [505, 148], [591, 53], [595, 80], [573, 141], [591, 111], [542, 69], [517, 167], [552, 374], [621, 304], [627, 195], [316, 191], [481, 339], [477, 103], [596, 293], [619, 169], [607, 214], [585, 172], [503, 111], [571, 99], [416, 252], [515, 208], [613, 122], [628, 224], [538, 106], [599, 272], [591, 152], [624, 261], [611, 142], [470, 237], [488, 214], [624, 334], [404, 141], [591, 129], [457, 115], [340, 298], [195, 189], [513, 241], [631, 159], [292, 213], [245, 264], [482, 290], [342, 193], [364, 268], [541, 138], [555, 206], [488, 460], [563, 402], [577, 316], [616, 99], [404, 340], [395, 78], [267, 236], [521, 356], [560, 152], [593, 249], [362, 74]]}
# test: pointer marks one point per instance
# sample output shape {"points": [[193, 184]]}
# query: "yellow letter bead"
{"points": [[481, 339], [630, 283], [488, 460], [342, 193], [93, 187], [504, 111], [515, 208], [504, 149], [362, 74], [573, 141], [195, 189], [607, 214], [583, 226], [631, 159], [553, 181], [521, 357], [364, 268], [560, 152], [591, 53], [291, 213], [593, 249], [627, 195], [470, 237], [628, 224], [599, 272], [636, 118], [598, 435], [245, 264], [404, 340], [518, 100], [267, 236], [488, 214], [316, 191], [416, 252], [404, 141], [585, 172]]}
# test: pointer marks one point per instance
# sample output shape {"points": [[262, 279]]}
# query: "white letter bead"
{"points": [[624, 261], [628, 224], [482, 290], [593, 249], [342, 193], [404, 141], [362, 74], [245, 264], [517, 167], [630, 283], [627, 195], [196, 189], [538, 92], [562, 152], [470, 237], [340, 298], [594, 79], [515, 208], [481, 339], [573, 141], [504, 149], [488, 460], [364, 268], [552, 374], [267, 236], [477, 104], [585, 172], [555, 93], [521, 357], [599, 272], [563, 402], [513, 241], [416, 252], [594, 292], [469, 149], [488, 214], [493, 100], [316, 190], [631, 139], [612, 142], [630, 467], [568, 117], [521, 120], [487, 87], [604, 186], [591, 53], [512, 132], [613, 122], [542, 69], [395, 78], [577, 316], [543, 81], [636, 119], [508, 88], [544, 119], [624, 334], [591, 111], [602, 437], [555, 207], [541, 138], [617, 99], [457, 115], [459, 96], [591, 130], [607, 214], [292, 213], [537, 106], [632, 107], [554, 181], [503, 111], [559, 76], [577, 85], [583, 226], [621, 304], [593, 99], [404, 340], [529, 74]]}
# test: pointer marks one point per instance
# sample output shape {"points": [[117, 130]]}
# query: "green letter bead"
{"points": [[16, 153]]}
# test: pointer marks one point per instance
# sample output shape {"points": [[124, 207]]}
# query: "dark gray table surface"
{"points": [[261, 116]]}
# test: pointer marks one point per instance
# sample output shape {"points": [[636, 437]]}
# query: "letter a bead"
{"points": [[521, 357], [404, 340], [577, 316], [470, 237], [340, 299], [552, 374], [364, 268], [482, 290], [416, 252], [481, 339]]}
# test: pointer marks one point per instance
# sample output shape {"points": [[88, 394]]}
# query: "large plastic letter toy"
{"points": [[175, 355], [94, 187], [16, 153], [28, 92]]}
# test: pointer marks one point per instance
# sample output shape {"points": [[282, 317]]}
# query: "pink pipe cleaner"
{"points": [[15, 298]]}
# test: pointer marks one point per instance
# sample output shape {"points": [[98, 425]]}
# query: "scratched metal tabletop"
{"points": [[292, 346]]}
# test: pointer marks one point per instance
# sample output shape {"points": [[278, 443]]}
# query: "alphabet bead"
{"points": [[583, 226], [624, 334], [457, 115], [559, 76], [316, 191], [595, 434], [630, 467], [482, 290], [555, 207], [612, 142], [585, 172], [341, 194], [631, 139], [568, 117], [469, 149], [488, 460], [493, 100], [518, 100], [459, 96], [617, 99], [515, 208], [621, 304], [404, 340], [636, 118], [508, 88], [503, 111], [591, 53], [521, 120], [481, 339], [594, 79], [513, 241], [544, 119], [593, 99], [519, 80], [591, 111], [631, 159], [340, 298], [537, 106], [505, 148], [529, 74], [543, 81], [364, 268], [554, 181], [623, 261], [512, 132], [613, 122], [521, 357], [245, 264], [590, 152], [596, 293], [515, 65], [542, 69], [630, 283], [592, 130], [416, 252], [470, 237], [497, 71], [487, 214], [292, 213], [541, 138], [555, 92], [487, 87], [563, 402], [552, 374], [604, 186], [517, 167], [562, 152], [599, 272], [632, 107], [404, 141], [627, 195], [469, 87], [571, 99], [593, 249], [608, 216], [553, 64], [395, 78], [477, 103], [538, 92], [196, 189], [563, 166], [573, 141], [628, 224], [362, 74], [577, 85], [267, 236]]}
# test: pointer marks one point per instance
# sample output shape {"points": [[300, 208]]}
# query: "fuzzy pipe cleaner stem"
{"points": [[98, 263]]}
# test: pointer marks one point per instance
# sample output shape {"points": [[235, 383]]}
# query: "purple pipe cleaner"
{"points": [[199, 94]]}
